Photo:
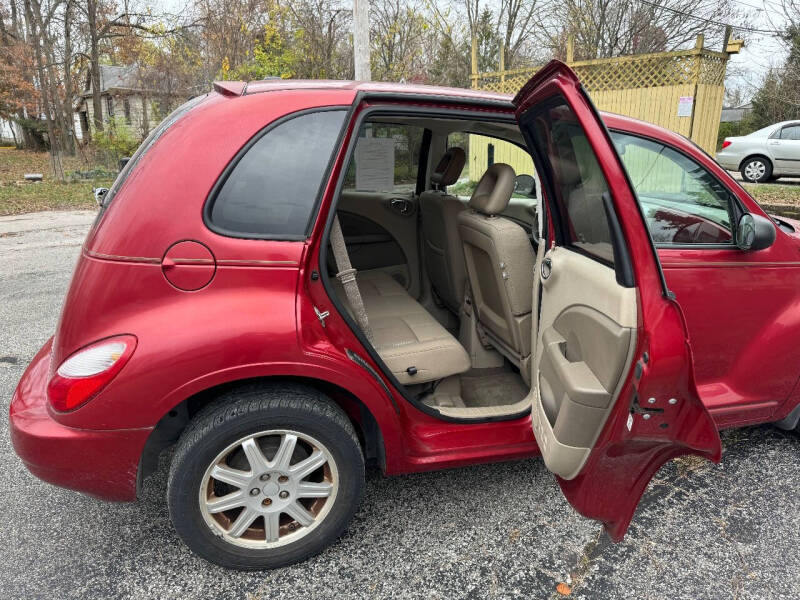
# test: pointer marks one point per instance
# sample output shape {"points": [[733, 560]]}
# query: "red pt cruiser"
{"points": [[280, 285]]}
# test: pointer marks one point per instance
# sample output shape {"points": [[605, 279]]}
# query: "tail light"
{"points": [[81, 377], [726, 143]]}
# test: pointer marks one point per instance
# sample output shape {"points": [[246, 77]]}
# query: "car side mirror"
{"points": [[99, 195], [525, 185], [754, 232]]}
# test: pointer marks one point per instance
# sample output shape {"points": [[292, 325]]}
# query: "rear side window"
{"points": [[271, 188], [578, 180], [791, 132]]}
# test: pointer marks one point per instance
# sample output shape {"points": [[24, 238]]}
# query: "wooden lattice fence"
{"points": [[681, 90]]}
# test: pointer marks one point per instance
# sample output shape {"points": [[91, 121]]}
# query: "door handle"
{"points": [[547, 268], [401, 205]]}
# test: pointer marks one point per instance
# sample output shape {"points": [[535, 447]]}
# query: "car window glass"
{"points": [[578, 180], [682, 202], [273, 188], [385, 159], [791, 132], [484, 151]]}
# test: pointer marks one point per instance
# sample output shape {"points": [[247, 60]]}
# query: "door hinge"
{"points": [[638, 409], [322, 315]]}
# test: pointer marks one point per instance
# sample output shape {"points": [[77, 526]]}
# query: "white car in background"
{"points": [[766, 154]]}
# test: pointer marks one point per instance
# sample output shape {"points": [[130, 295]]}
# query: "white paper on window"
{"points": [[375, 164]]}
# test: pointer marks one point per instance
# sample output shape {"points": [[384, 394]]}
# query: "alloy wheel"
{"points": [[257, 502]]}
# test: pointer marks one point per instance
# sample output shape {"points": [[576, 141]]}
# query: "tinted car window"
{"points": [[274, 186], [682, 202], [578, 180]]}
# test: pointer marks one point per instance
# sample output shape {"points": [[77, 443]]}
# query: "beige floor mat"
{"points": [[495, 388]]}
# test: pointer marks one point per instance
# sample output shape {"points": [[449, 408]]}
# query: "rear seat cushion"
{"points": [[405, 334], [378, 283]]}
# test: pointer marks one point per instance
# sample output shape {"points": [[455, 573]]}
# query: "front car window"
{"points": [[682, 202], [484, 151], [274, 186]]}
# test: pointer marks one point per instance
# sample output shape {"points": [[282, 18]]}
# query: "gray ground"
{"points": [[504, 531]]}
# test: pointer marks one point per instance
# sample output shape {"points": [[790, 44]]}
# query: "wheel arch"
{"points": [[757, 155], [172, 423]]}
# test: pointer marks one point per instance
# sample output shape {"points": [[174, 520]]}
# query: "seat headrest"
{"points": [[494, 190], [449, 167]]}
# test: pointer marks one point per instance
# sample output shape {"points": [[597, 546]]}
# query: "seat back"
{"points": [[499, 261], [442, 250]]}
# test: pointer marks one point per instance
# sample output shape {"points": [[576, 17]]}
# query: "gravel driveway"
{"points": [[496, 531]]}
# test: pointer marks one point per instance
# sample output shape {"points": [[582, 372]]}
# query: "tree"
{"points": [[607, 28]]}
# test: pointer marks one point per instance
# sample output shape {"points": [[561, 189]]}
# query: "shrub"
{"points": [[116, 140]]}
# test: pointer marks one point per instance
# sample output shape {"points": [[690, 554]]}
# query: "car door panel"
{"points": [[587, 331], [614, 394], [380, 231]]}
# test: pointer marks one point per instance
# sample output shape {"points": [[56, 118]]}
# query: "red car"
{"points": [[280, 285]]}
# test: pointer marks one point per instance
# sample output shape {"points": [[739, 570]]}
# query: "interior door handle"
{"points": [[547, 268], [401, 205]]}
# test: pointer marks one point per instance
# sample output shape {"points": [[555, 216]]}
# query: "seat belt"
{"points": [[347, 277]]}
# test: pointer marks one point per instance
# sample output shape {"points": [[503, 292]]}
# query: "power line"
{"points": [[771, 32]]}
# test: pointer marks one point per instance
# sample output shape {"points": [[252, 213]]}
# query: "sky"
{"points": [[761, 52]]}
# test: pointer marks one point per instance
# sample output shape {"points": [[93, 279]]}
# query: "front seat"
{"points": [[444, 258], [499, 259]]}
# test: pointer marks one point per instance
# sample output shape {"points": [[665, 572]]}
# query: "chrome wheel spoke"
{"points": [[284, 454], [254, 456], [272, 526], [305, 467], [298, 512], [233, 477], [242, 522], [226, 502], [308, 489]]}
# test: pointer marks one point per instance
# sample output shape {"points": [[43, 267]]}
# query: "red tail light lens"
{"points": [[81, 377], [726, 143]]}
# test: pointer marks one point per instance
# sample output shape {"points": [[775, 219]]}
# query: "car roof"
{"points": [[241, 88]]}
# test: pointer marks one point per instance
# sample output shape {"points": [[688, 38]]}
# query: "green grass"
{"points": [[775, 193], [19, 196], [48, 195]]}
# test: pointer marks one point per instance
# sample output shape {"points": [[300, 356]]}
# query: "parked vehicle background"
{"points": [[764, 155]]}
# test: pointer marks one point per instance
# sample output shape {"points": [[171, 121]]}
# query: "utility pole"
{"points": [[361, 40]]}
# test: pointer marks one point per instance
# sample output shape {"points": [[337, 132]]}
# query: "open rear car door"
{"points": [[614, 395]]}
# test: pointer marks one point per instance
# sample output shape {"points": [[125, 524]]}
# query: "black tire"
{"points": [[251, 410], [756, 169]]}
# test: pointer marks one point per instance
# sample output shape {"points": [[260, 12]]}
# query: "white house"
{"points": [[128, 92]]}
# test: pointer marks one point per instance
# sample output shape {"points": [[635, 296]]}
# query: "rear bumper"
{"points": [[728, 161], [104, 464]]}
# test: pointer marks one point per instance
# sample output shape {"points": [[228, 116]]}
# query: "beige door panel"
{"points": [[584, 344], [397, 213]]}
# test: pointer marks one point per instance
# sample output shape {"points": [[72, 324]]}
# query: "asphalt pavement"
{"points": [[702, 531]]}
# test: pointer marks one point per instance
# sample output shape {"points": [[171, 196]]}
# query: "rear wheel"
{"points": [[756, 169], [265, 477]]}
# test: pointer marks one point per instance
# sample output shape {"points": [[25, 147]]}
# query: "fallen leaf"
{"points": [[563, 589]]}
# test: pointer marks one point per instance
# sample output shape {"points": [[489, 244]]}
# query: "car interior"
{"points": [[443, 266], [447, 281]]}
